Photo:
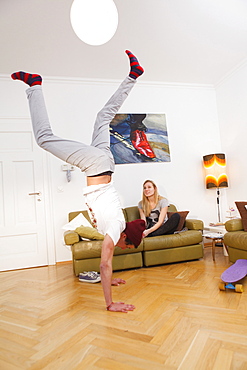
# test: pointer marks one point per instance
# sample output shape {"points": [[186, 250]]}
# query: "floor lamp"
{"points": [[215, 174]]}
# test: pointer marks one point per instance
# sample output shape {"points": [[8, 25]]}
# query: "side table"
{"points": [[215, 237], [216, 234]]}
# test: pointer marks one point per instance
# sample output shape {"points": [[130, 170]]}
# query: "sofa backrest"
{"points": [[130, 213], [74, 214]]}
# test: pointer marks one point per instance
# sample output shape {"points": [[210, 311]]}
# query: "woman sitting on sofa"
{"points": [[153, 210]]}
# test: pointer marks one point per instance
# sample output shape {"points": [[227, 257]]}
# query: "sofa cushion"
{"points": [[183, 215], [92, 249], [236, 239], [184, 238], [171, 255], [89, 233], [86, 249], [242, 208]]}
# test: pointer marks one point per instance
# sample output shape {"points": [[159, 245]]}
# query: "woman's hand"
{"points": [[158, 224], [145, 233]]}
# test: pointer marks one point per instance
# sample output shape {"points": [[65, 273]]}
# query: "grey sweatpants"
{"points": [[92, 159]]}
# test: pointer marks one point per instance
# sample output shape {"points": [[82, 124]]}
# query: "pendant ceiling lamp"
{"points": [[94, 21]]}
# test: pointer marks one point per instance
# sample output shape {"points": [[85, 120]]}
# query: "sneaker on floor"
{"points": [[89, 277]]}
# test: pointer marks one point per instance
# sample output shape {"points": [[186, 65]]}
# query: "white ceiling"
{"points": [[183, 41]]}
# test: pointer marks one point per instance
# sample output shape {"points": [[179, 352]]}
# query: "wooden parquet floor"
{"points": [[49, 320]]}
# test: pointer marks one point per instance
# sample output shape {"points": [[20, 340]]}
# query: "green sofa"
{"points": [[235, 239], [182, 246]]}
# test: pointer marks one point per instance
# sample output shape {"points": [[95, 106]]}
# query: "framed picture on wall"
{"points": [[136, 138]]}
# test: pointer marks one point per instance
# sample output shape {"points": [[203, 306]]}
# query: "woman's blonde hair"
{"points": [[145, 203]]}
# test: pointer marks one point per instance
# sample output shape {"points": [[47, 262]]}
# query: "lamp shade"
{"points": [[215, 171], [94, 21]]}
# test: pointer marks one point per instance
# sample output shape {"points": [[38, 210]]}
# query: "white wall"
{"points": [[232, 108], [193, 131]]}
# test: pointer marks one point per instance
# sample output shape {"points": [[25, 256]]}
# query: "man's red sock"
{"points": [[28, 78], [135, 69]]}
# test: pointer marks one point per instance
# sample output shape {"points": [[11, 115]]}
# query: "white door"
{"points": [[22, 213]]}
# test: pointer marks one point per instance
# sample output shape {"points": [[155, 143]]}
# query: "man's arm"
{"points": [[106, 268], [106, 277]]}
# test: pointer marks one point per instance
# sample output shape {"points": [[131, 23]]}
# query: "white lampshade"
{"points": [[94, 21]]}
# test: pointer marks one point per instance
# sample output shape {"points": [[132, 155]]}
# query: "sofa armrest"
{"points": [[234, 225], [71, 237], [194, 224]]}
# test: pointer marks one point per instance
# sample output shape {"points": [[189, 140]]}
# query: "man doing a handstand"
{"points": [[97, 161]]}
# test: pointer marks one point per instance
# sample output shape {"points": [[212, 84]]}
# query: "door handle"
{"points": [[38, 193]]}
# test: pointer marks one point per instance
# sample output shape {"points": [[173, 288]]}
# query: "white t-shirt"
{"points": [[105, 210]]}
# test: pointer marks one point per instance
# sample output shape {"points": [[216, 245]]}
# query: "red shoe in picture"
{"points": [[140, 143]]}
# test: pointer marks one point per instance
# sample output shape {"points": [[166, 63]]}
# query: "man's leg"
{"points": [[71, 151], [101, 136], [61, 148]]}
